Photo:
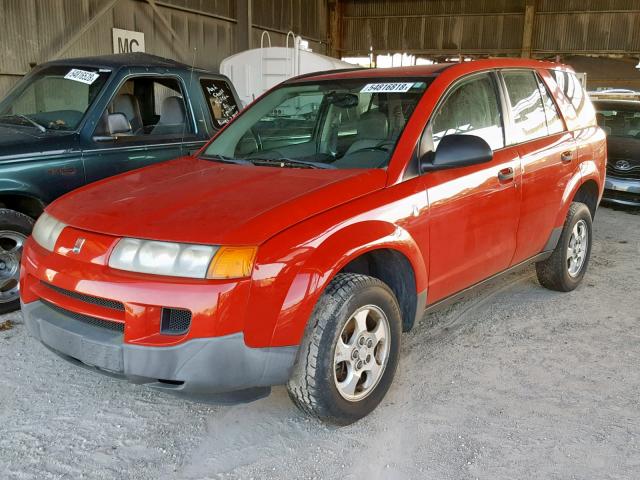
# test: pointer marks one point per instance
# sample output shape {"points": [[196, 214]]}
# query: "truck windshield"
{"points": [[619, 120], [53, 98], [330, 124]]}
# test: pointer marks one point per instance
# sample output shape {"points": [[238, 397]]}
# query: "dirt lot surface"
{"points": [[513, 382]]}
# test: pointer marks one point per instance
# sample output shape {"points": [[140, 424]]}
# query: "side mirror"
{"points": [[115, 124], [457, 151]]}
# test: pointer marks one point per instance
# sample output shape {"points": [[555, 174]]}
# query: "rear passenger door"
{"points": [[159, 122], [548, 154], [473, 211]]}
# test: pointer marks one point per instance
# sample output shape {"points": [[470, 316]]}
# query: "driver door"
{"points": [[474, 210]]}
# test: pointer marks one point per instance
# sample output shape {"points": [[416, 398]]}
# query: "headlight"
{"points": [[182, 259], [47, 230]]}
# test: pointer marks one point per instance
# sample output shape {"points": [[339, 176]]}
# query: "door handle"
{"points": [[567, 156], [505, 175]]}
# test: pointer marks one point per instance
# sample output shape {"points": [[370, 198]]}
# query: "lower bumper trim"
{"points": [[202, 368]]}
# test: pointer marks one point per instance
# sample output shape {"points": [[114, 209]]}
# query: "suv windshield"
{"points": [[54, 98], [619, 120], [331, 124]]}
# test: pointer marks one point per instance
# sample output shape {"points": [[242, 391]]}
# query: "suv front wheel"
{"points": [[350, 351]]}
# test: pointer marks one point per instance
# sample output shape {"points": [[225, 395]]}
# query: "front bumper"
{"points": [[202, 368], [622, 191]]}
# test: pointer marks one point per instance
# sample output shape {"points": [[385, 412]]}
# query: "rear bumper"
{"points": [[202, 368], [622, 191]]}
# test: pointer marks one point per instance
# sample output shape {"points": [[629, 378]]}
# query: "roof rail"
{"points": [[326, 72]]}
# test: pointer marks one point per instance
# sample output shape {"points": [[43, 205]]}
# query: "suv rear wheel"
{"points": [[350, 351], [15, 227], [564, 269]]}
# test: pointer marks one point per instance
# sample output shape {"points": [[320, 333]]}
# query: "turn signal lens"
{"points": [[232, 262]]}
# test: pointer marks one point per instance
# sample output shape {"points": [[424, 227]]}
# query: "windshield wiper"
{"points": [[30, 121], [290, 162], [225, 159]]}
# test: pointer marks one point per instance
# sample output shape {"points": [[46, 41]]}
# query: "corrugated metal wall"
{"points": [[493, 27], [31, 31]]}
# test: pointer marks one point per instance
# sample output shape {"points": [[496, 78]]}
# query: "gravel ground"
{"points": [[513, 382]]}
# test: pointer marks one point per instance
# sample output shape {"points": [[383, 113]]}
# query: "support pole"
{"points": [[335, 28], [245, 21], [527, 31]]}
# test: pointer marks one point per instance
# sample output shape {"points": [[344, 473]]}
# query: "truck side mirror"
{"points": [[116, 124], [457, 151]]}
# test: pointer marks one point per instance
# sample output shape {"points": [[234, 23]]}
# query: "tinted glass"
{"points": [[222, 104], [573, 90], [619, 120], [470, 109], [554, 122], [333, 124], [526, 105]]}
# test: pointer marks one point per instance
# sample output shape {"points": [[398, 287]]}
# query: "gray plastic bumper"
{"points": [[630, 190], [199, 368]]}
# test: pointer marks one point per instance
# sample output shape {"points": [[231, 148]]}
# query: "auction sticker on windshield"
{"points": [[82, 76], [386, 87]]}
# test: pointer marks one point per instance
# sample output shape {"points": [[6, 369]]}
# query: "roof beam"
{"points": [[74, 38]]}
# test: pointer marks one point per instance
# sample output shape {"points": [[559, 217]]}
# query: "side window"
{"points": [[569, 84], [148, 106], [222, 105], [526, 105], [554, 122], [470, 109]]}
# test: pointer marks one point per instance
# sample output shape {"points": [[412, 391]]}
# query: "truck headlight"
{"points": [[47, 230], [181, 259]]}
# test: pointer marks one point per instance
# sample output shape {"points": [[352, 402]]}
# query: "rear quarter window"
{"points": [[220, 100], [583, 114]]}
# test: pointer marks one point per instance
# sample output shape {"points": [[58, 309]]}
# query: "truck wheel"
{"points": [[350, 350], [15, 227], [564, 269]]}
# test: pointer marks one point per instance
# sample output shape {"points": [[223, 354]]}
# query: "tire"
{"points": [[319, 384], [559, 272], [15, 227]]}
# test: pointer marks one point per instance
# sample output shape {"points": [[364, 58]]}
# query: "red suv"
{"points": [[299, 244]]}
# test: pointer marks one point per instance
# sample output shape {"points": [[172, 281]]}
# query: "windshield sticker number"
{"points": [[386, 87], [82, 76]]}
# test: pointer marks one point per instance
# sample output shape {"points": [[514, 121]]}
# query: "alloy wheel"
{"points": [[361, 353]]}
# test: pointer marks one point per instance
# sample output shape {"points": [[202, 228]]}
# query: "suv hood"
{"points": [[199, 201]]}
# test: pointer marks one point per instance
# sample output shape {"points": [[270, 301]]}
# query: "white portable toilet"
{"points": [[255, 71]]}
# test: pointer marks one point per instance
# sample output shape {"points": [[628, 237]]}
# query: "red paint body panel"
{"points": [[455, 227]]}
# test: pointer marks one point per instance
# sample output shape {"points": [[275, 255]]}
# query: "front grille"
{"points": [[101, 302], [175, 321], [93, 321], [633, 174]]}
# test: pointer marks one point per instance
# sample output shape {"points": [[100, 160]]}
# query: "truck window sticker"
{"points": [[81, 76]]}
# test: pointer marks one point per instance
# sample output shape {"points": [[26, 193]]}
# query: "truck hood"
{"points": [[17, 142], [198, 201]]}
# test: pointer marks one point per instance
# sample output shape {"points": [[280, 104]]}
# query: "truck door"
{"points": [[147, 121], [548, 155], [473, 211]]}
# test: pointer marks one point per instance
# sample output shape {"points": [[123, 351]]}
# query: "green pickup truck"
{"points": [[71, 122]]}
